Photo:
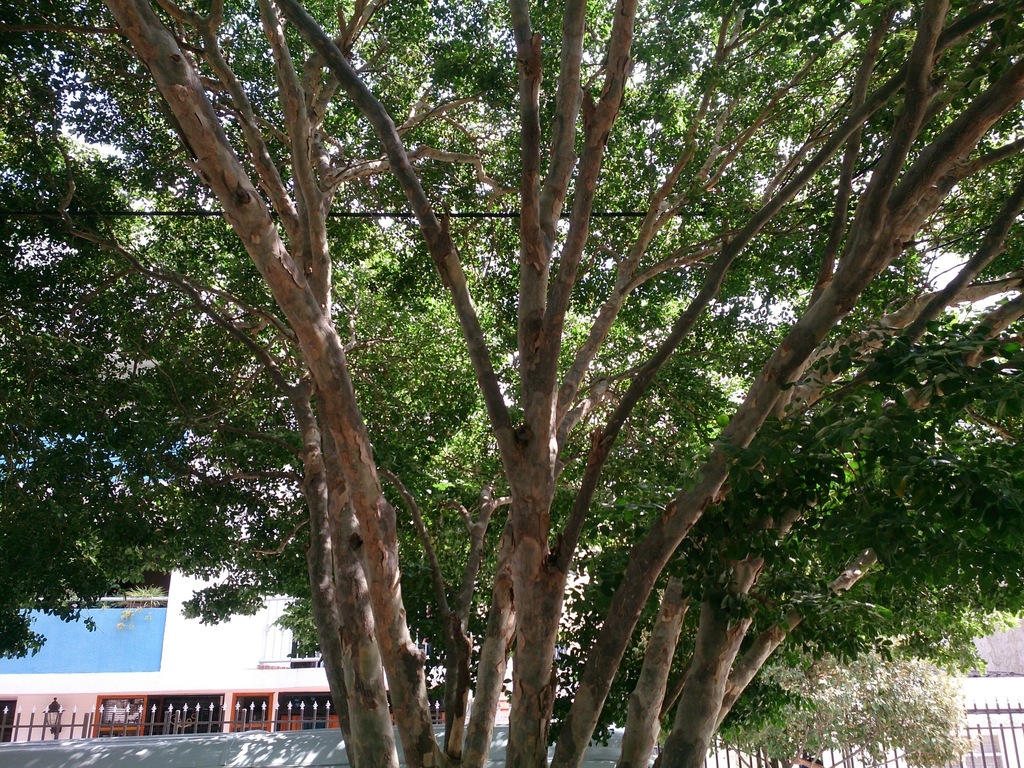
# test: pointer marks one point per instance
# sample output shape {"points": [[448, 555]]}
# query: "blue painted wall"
{"points": [[135, 646]]}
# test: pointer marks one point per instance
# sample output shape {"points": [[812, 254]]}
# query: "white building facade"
{"points": [[151, 670]]}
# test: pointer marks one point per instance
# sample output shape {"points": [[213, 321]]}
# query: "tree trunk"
{"points": [[372, 730], [643, 721], [539, 591], [457, 682], [341, 606], [493, 660], [325, 602], [345, 625], [718, 640]]}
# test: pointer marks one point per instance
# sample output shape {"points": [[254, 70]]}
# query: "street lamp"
{"points": [[51, 718]]}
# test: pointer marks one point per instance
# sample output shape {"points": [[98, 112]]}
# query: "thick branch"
{"points": [[957, 140], [436, 235], [849, 164], [270, 176], [737, 243], [764, 645], [872, 210], [643, 717], [568, 98], [532, 249], [310, 245], [598, 121]]}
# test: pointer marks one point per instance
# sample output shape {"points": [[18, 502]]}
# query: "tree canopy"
{"points": [[627, 341]]}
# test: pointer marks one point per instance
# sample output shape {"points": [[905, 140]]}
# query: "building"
{"points": [[150, 670]]}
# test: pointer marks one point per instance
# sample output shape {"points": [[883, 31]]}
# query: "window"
{"points": [[185, 713], [8, 708], [120, 716], [304, 711], [251, 712]]}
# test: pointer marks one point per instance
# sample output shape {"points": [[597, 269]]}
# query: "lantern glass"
{"points": [[52, 717]]}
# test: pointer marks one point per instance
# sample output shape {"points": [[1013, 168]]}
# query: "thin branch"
{"points": [[437, 576], [187, 284], [423, 151], [849, 164], [996, 321], [477, 531], [225, 427], [765, 644], [744, 137], [419, 113], [232, 477], [287, 540], [681, 257], [991, 246]]}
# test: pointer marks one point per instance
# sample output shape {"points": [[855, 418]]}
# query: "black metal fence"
{"points": [[199, 717], [995, 731]]}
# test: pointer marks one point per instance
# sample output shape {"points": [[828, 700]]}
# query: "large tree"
{"points": [[681, 333]]}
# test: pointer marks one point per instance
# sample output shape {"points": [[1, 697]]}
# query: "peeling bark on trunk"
{"points": [[372, 731], [501, 623], [324, 598], [341, 607], [643, 717], [539, 590], [718, 640]]}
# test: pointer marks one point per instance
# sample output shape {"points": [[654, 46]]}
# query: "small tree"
{"points": [[868, 707]]}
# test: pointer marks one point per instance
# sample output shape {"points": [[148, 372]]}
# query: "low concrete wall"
{"points": [[256, 749]]}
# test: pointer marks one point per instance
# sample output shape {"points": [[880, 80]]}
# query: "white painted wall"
{"points": [[241, 643]]}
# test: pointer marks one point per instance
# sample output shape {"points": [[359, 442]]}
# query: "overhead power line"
{"points": [[203, 213]]}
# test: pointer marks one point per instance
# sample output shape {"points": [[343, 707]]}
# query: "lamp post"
{"points": [[51, 718]]}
